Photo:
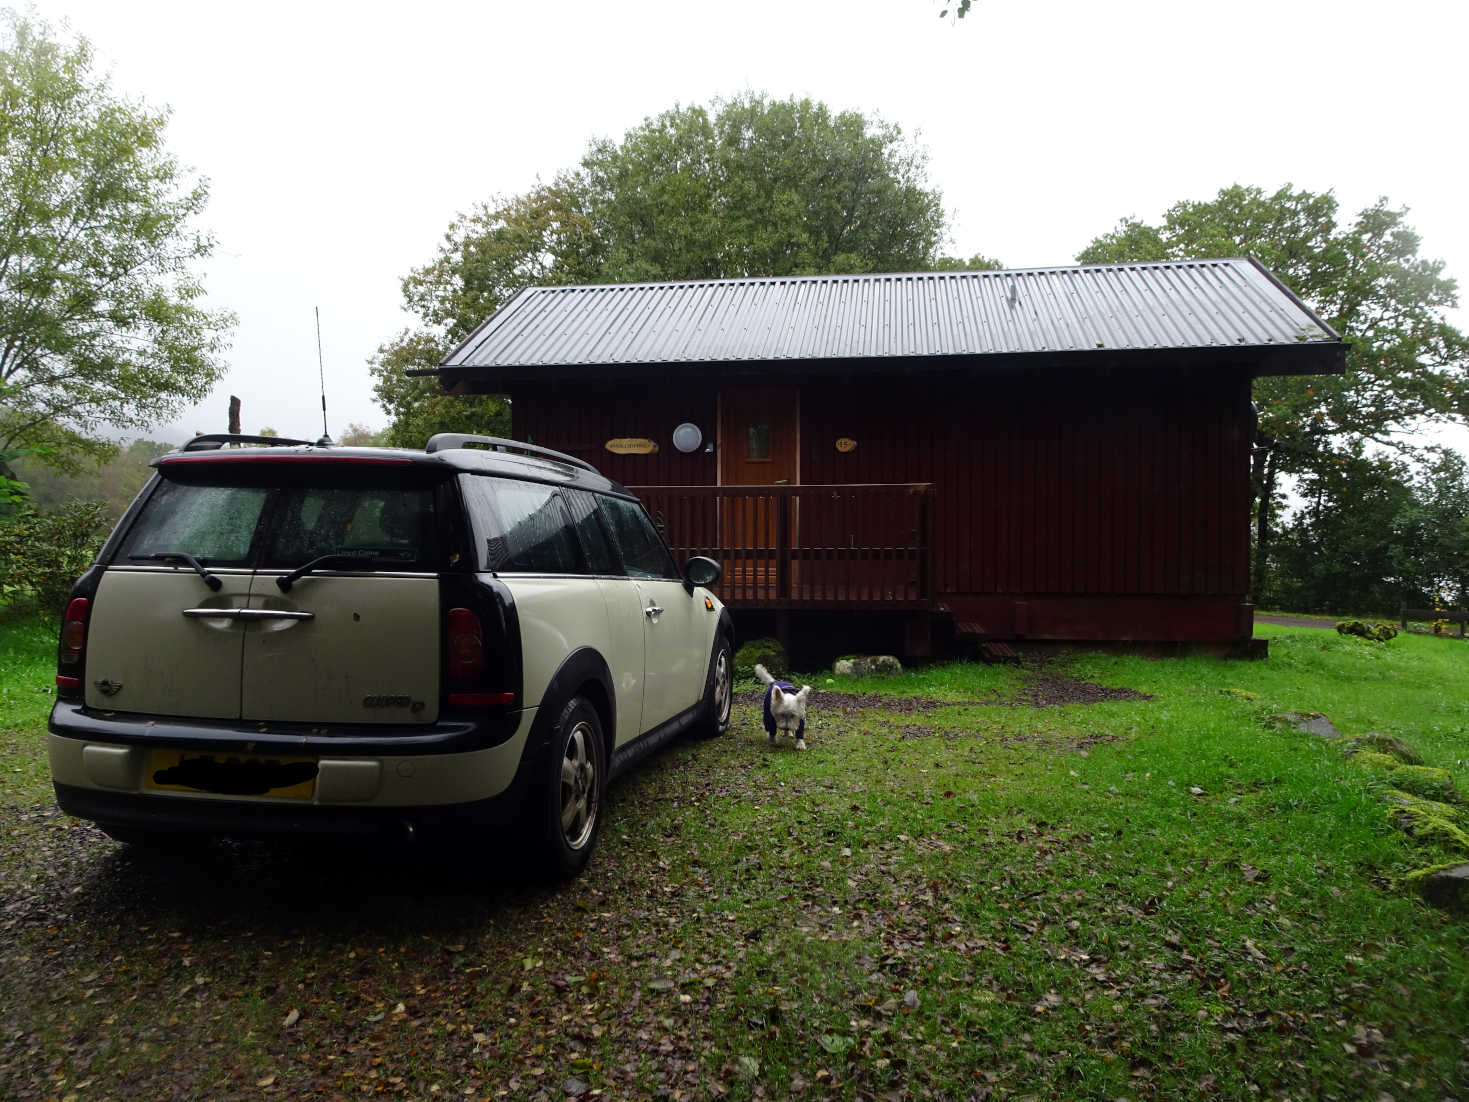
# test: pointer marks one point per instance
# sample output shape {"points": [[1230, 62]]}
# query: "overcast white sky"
{"points": [[340, 139]]}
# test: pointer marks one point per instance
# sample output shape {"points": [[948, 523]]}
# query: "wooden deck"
{"points": [[853, 547]]}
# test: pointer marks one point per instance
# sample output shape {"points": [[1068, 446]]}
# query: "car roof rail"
{"points": [[444, 440], [211, 440]]}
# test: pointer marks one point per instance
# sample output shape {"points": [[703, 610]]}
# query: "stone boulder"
{"points": [[1445, 886], [1308, 723], [865, 665], [1390, 745]]}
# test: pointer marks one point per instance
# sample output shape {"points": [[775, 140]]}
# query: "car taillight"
{"points": [[73, 646], [466, 649]]}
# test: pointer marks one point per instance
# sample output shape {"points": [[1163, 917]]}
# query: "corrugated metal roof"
{"points": [[1199, 304]]}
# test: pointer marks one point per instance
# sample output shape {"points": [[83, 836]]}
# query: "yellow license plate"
{"points": [[291, 778]]}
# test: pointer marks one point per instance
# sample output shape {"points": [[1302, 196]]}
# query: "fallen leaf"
{"points": [[291, 1019]]}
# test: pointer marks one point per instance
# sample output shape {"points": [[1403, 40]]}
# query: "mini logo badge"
{"points": [[108, 688]]}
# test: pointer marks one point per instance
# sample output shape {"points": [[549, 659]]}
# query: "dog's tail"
{"points": [[763, 674]]}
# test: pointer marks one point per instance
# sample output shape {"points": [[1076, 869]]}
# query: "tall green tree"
{"points": [[1407, 365], [101, 314], [760, 187], [749, 187], [1373, 532]]}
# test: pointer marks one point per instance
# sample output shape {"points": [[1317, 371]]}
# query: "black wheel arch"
{"points": [[583, 672]]}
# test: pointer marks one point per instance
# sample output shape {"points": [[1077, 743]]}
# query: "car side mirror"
{"points": [[701, 571]]}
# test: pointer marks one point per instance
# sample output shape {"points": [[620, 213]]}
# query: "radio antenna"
{"points": [[326, 438]]}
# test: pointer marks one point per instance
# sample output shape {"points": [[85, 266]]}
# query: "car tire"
{"points": [[576, 787], [719, 691]]}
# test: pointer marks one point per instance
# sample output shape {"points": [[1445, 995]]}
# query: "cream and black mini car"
{"points": [[468, 641]]}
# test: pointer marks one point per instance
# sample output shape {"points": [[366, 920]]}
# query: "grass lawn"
{"points": [[980, 882]]}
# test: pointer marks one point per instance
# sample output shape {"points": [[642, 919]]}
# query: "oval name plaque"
{"points": [[631, 445], [846, 444]]}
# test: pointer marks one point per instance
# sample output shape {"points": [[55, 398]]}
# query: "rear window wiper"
{"points": [[184, 558], [338, 558]]}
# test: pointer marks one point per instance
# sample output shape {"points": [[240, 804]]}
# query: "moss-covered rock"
{"points": [[1367, 629], [1390, 745], [766, 652], [1427, 781], [1430, 822], [1445, 886], [1374, 759]]}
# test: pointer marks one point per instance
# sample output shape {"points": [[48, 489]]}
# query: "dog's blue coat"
{"points": [[785, 687]]}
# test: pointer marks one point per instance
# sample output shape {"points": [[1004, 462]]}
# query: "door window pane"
{"points": [[759, 440], [215, 524], [383, 527], [583, 506], [644, 553]]}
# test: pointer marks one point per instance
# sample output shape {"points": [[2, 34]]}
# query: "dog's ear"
{"points": [[804, 693], [776, 696]]}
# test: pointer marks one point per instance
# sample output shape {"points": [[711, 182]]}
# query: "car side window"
{"points": [[644, 553], [588, 525], [522, 527]]}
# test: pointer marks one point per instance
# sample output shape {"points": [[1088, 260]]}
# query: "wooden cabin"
{"points": [[1057, 454]]}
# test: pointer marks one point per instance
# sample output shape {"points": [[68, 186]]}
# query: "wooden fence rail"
{"points": [[1461, 615], [815, 546]]}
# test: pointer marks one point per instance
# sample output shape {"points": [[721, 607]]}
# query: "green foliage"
{"points": [[761, 187], [1407, 364], [1374, 533], [1373, 632], [41, 554], [101, 315], [416, 407], [112, 481], [748, 187], [765, 652]]}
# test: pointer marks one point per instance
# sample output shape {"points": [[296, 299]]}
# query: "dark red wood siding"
{"points": [[1068, 505]]}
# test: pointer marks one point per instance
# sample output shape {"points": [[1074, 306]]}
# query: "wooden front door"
{"points": [[759, 437]]}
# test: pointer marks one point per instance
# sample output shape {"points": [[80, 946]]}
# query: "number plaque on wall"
{"points": [[845, 444]]}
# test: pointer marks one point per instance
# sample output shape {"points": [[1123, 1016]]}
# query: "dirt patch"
{"points": [[1053, 692]]}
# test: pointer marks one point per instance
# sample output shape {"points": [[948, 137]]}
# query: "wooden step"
{"points": [[995, 651]]}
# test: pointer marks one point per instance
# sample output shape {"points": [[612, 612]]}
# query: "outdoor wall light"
{"points": [[687, 437]]}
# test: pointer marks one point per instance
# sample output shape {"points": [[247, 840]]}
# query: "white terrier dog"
{"points": [[785, 708]]}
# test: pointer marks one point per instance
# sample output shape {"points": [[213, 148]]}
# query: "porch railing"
{"points": [[812, 546]]}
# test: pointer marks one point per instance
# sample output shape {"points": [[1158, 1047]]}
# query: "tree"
{"points": [[112, 482], [751, 187], [1400, 540], [1407, 365], [759, 187], [101, 322]]}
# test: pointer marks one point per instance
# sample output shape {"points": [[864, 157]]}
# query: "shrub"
{"points": [[767, 652], [1369, 630], [41, 554]]}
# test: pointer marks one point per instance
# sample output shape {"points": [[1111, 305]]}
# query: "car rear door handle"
{"points": [[249, 614], [653, 611]]}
